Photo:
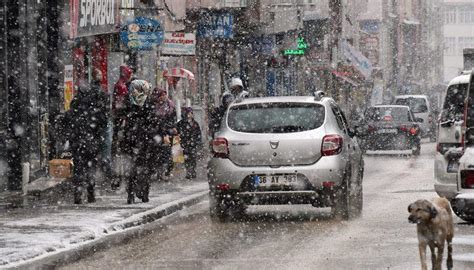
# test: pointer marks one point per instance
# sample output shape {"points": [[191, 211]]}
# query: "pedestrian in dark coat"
{"points": [[142, 139], [119, 101], [87, 120], [190, 136], [166, 112]]}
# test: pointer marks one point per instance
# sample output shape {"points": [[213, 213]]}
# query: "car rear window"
{"points": [[387, 114], [453, 107], [417, 105], [276, 117]]}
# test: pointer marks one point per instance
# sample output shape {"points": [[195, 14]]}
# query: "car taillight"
{"points": [[332, 145], [220, 148], [403, 128], [467, 179]]}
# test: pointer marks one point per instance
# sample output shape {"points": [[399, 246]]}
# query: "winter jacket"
{"points": [[142, 130], [166, 113], [87, 122], [121, 89], [190, 134]]}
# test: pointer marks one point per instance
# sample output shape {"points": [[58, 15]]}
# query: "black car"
{"points": [[390, 127]]}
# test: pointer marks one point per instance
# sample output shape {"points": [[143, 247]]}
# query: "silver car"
{"points": [[280, 150]]}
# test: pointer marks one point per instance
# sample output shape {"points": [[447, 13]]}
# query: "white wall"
{"points": [[453, 63]]}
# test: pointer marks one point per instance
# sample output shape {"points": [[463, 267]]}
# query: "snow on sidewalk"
{"points": [[27, 233]]}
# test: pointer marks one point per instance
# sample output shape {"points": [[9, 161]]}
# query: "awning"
{"points": [[345, 78], [179, 73]]}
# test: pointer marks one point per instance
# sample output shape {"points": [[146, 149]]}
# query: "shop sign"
{"points": [[301, 48], [93, 17], [357, 59], [177, 43], [216, 25], [142, 34], [68, 86]]}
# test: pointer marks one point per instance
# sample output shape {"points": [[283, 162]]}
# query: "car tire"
{"points": [[341, 205], [217, 210], [359, 194], [461, 214], [220, 210], [417, 151]]}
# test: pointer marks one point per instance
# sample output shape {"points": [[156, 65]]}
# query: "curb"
{"points": [[117, 233]]}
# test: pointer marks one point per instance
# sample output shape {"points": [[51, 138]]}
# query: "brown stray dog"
{"points": [[434, 224]]}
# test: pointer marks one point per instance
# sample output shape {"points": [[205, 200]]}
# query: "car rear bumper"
{"points": [[398, 141], [445, 182], [326, 169], [463, 204]]}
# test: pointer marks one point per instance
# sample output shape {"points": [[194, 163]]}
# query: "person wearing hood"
{"points": [[166, 112], [217, 113], [142, 138], [236, 92], [120, 95], [190, 135], [87, 122]]}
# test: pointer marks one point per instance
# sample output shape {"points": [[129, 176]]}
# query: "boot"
{"points": [[145, 193], [78, 195], [130, 198], [90, 196]]}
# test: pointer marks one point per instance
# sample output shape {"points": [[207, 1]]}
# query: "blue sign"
{"points": [[370, 26], [216, 25], [142, 34]]}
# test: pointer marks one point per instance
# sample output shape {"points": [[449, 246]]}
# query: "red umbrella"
{"points": [[179, 73]]}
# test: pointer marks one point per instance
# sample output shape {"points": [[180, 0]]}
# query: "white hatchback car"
{"points": [[449, 145], [280, 150]]}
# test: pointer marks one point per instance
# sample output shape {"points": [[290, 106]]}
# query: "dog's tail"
{"points": [[444, 203]]}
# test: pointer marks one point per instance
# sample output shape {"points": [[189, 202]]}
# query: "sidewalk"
{"points": [[42, 228]]}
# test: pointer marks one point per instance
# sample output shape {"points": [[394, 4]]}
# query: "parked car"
{"points": [[463, 202], [420, 106], [280, 150], [390, 127], [449, 148]]}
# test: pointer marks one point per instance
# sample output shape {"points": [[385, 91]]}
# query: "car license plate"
{"points": [[453, 166], [387, 130], [277, 180]]}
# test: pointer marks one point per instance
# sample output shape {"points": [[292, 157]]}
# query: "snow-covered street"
{"points": [[301, 237]]}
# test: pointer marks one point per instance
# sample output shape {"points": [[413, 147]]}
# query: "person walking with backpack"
{"points": [[190, 137]]}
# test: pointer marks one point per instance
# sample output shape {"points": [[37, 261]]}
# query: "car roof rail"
{"points": [[318, 95]]}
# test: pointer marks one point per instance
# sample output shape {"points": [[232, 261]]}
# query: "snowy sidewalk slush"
{"points": [[33, 233]]}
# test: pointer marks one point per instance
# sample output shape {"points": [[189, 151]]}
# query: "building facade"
{"points": [[458, 33]]}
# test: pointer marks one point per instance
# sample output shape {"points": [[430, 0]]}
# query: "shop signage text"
{"points": [[142, 34], [179, 44], [93, 17], [301, 48], [97, 12], [216, 25]]}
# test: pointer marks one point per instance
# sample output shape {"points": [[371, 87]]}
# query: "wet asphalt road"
{"points": [[299, 237]]}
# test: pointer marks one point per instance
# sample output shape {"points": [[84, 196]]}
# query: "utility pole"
{"points": [[335, 22]]}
